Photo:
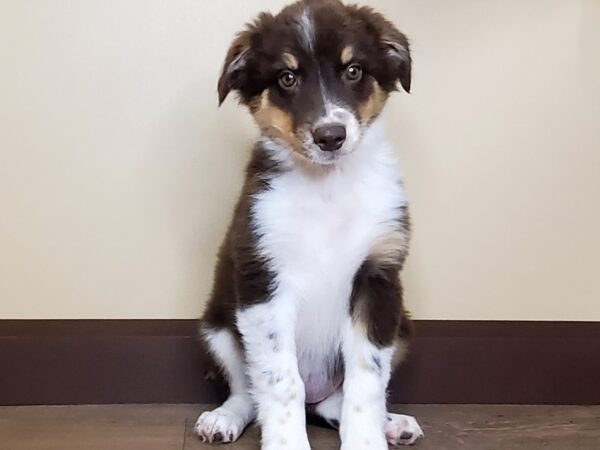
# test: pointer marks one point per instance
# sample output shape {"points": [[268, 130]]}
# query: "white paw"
{"points": [[402, 430], [219, 426]]}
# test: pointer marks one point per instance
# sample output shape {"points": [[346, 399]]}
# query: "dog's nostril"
{"points": [[330, 137]]}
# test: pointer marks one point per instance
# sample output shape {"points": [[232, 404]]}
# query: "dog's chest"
{"points": [[316, 233]]}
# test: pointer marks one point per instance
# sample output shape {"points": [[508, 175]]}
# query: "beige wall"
{"points": [[118, 172]]}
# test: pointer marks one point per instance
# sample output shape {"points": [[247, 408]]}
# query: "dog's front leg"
{"points": [[269, 342], [364, 411], [368, 346]]}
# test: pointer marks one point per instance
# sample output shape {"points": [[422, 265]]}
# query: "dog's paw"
{"points": [[219, 426], [402, 430]]}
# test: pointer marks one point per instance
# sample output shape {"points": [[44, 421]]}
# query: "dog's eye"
{"points": [[353, 72], [287, 79]]}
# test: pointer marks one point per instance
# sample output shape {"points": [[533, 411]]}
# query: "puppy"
{"points": [[306, 308]]}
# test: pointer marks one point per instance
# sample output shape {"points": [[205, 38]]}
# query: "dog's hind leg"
{"points": [[227, 422], [329, 410]]}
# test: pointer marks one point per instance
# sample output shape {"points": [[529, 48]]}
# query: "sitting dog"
{"points": [[306, 309]]}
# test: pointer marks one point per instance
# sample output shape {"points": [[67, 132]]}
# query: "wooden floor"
{"points": [[170, 427]]}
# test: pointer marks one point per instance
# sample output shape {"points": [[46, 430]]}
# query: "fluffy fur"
{"points": [[306, 307]]}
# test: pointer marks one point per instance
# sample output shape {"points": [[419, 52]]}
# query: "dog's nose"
{"points": [[330, 137]]}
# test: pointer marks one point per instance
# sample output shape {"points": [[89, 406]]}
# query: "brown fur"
{"points": [[241, 276], [377, 292], [370, 109]]}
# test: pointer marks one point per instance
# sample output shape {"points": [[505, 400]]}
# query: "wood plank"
{"points": [[170, 427], [469, 427], [495, 427], [131, 427]]}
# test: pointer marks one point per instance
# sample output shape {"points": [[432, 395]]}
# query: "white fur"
{"points": [[364, 411], [307, 29], [330, 409], [229, 419], [268, 333]]}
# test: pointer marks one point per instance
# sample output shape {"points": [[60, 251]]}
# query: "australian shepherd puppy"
{"points": [[306, 309]]}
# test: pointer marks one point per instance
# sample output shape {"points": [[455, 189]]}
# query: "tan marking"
{"points": [[400, 352], [360, 325], [275, 122], [271, 118], [361, 328], [291, 61], [363, 364], [371, 108], [347, 55], [357, 408], [390, 248]]}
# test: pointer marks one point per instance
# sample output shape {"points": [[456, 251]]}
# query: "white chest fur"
{"points": [[316, 230]]}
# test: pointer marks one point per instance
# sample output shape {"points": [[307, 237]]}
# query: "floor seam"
{"points": [[184, 433]]}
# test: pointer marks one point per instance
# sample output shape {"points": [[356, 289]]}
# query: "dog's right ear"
{"points": [[236, 62]]}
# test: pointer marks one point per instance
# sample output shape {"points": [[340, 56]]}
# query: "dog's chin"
{"points": [[316, 156]]}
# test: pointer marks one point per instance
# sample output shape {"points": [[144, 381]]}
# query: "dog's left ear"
{"points": [[393, 43], [398, 51]]}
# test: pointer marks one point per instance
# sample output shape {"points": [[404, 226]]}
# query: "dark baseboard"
{"points": [[161, 361]]}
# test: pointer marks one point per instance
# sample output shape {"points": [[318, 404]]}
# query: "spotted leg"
{"points": [[227, 422], [269, 340]]}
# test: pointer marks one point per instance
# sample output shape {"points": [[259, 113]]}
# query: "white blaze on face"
{"points": [[307, 29], [334, 114]]}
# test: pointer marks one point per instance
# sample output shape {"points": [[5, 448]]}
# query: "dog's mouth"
{"points": [[315, 154]]}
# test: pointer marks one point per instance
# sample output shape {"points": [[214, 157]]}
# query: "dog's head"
{"points": [[317, 74]]}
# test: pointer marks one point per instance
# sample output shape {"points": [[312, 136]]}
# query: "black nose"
{"points": [[330, 137]]}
